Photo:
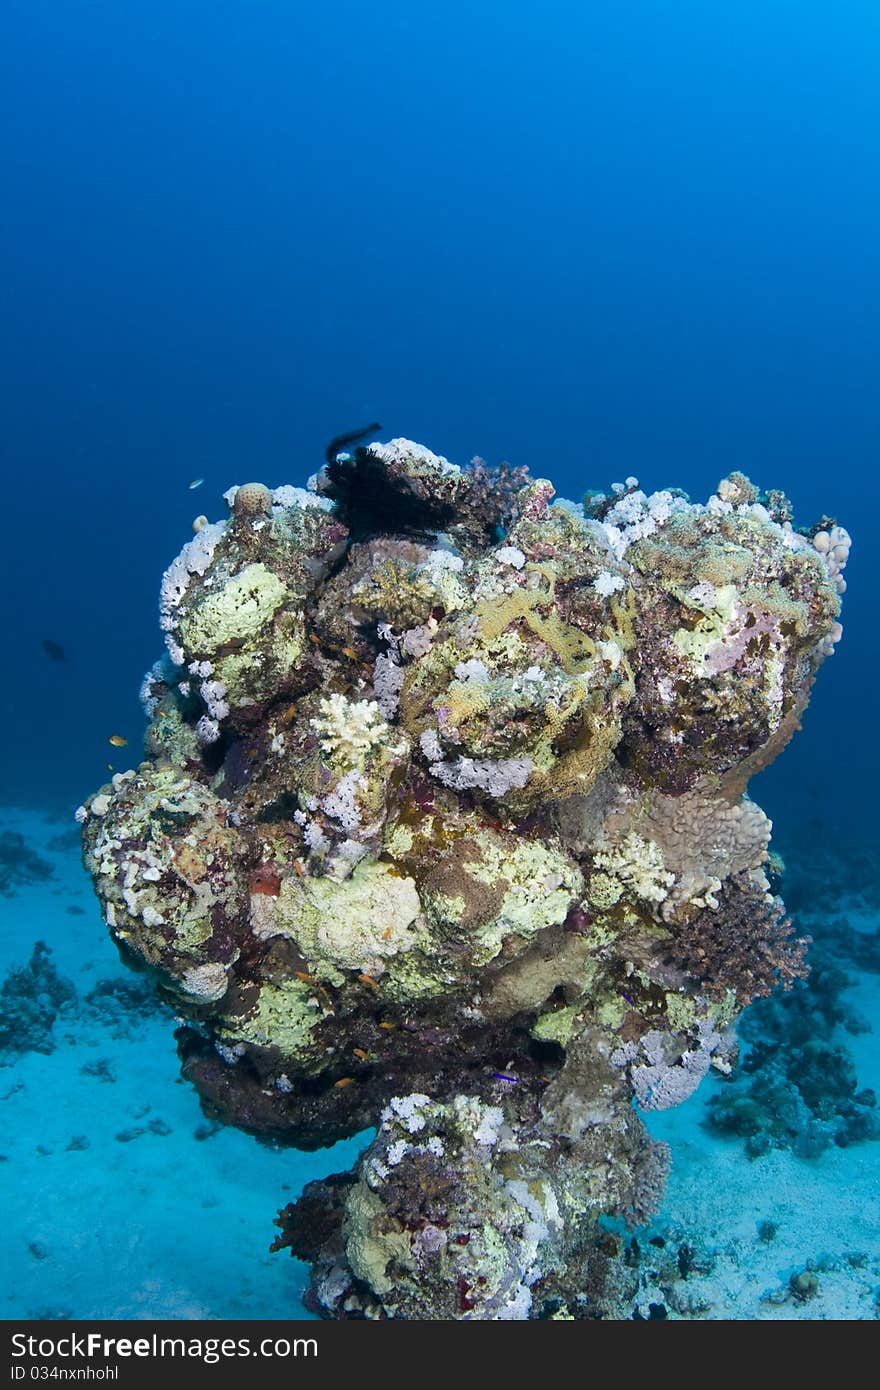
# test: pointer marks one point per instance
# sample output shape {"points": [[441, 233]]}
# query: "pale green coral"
{"points": [[604, 890], [443, 573], [557, 1025], [403, 591], [611, 1011], [359, 924], [718, 610], [684, 1011], [170, 737], [234, 612], [418, 974], [252, 675], [399, 840], [283, 1017], [508, 888], [681, 1011], [372, 1243], [539, 881]]}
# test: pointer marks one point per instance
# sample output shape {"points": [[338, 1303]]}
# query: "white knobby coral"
{"points": [[631, 865]]}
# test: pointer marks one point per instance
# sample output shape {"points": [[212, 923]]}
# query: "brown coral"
{"points": [[746, 944], [252, 500]]}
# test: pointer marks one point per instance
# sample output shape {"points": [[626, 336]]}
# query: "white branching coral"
{"points": [[349, 729]]}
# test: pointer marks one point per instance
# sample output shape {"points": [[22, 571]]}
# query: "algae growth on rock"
{"points": [[442, 828]]}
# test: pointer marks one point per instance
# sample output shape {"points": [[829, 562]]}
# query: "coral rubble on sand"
{"points": [[19, 863], [443, 828], [797, 1086], [31, 998]]}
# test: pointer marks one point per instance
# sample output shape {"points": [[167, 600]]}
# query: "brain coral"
{"points": [[442, 827]]}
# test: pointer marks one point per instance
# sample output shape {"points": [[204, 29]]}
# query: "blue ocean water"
{"points": [[599, 238]]}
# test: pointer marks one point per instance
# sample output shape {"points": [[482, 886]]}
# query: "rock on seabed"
{"points": [[443, 828]]}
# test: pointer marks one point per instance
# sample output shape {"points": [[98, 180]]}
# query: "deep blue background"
{"points": [[600, 237]]}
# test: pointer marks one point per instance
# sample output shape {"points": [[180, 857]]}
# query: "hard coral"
{"points": [[442, 827], [753, 952], [253, 499]]}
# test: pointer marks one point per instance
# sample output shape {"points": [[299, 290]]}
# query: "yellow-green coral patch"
{"points": [[234, 612], [283, 1017], [357, 925]]}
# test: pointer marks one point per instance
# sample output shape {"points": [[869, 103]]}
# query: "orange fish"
{"points": [[360, 1054], [368, 980], [344, 1081], [117, 740]]}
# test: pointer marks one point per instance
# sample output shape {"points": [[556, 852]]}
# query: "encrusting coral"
{"points": [[442, 828]]}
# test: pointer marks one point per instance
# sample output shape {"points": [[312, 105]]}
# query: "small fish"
{"points": [[388, 1027], [503, 1076], [308, 979], [118, 741], [53, 650], [368, 980], [196, 482], [339, 441], [344, 1081], [109, 767], [350, 653], [361, 1055]]}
